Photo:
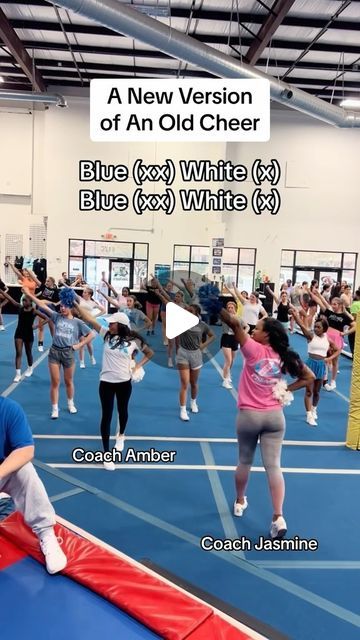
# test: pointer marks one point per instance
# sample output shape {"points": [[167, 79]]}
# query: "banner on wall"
{"points": [[217, 256], [162, 273]]}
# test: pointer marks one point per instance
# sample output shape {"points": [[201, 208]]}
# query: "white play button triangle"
{"points": [[178, 320]]}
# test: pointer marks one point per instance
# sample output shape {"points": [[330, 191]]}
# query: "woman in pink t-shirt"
{"points": [[266, 357]]}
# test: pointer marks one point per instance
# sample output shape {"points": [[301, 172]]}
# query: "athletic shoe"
{"points": [[2, 328], [184, 415], [153, 333], [240, 508], [17, 377], [314, 413], [72, 408], [227, 384], [165, 343], [29, 372], [54, 414], [93, 361], [330, 386], [170, 363], [119, 443], [310, 419], [194, 407], [148, 333], [55, 558], [40, 348], [82, 364], [109, 466], [278, 528]]}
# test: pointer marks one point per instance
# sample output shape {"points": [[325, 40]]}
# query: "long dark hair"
{"points": [[124, 334], [279, 341]]}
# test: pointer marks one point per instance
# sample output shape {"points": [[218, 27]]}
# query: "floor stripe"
{"points": [[15, 385], [226, 517], [196, 467], [66, 494], [8, 324], [259, 572], [292, 443], [341, 395]]}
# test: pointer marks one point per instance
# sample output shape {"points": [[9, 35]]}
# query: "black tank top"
{"points": [[283, 312], [25, 322]]}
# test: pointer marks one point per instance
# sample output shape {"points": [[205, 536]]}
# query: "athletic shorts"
{"points": [[318, 367], [25, 337], [152, 307], [190, 359], [336, 337], [229, 342], [62, 356]]}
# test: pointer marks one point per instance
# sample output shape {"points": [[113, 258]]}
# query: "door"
{"points": [[328, 276], [304, 275], [121, 273]]}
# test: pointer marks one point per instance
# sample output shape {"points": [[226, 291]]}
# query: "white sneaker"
{"points": [[54, 414], [194, 407], [29, 372], [278, 528], [82, 364], [2, 328], [184, 415], [314, 413], [93, 361], [227, 384], [310, 419], [165, 343], [170, 363], [119, 443], [72, 408], [330, 386], [109, 466], [17, 377], [240, 508], [55, 558], [40, 348]]}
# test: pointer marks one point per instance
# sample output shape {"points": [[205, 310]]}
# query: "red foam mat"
{"points": [[167, 611], [9, 553]]}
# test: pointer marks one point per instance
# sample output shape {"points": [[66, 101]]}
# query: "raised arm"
{"points": [[308, 334], [239, 294], [239, 332], [4, 294], [320, 300], [33, 277], [109, 286], [43, 304], [273, 294], [87, 317], [16, 271]]}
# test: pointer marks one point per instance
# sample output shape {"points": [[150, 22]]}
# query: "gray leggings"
{"points": [[269, 426]]}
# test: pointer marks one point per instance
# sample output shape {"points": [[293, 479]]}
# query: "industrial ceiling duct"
{"points": [[125, 20], [27, 96]]}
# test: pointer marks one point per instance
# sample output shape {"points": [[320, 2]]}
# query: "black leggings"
{"points": [[19, 343], [107, 392]]}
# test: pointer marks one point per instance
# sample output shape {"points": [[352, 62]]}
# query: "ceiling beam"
{"points": [[19, 53], [234, 16], [278, 12]]}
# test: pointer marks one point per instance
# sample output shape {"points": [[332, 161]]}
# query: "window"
{"points": [[237, 264], [329, 266], [95, 256]]}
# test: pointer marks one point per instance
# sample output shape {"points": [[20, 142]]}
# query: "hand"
{"points": [[76, 347], [25, 290], [327, 360]]}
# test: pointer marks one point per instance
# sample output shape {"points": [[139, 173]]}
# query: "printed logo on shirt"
{"points": [[266, 371], [123, 346]]}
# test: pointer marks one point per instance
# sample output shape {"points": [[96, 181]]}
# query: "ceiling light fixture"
{"points": [[350, 103]]}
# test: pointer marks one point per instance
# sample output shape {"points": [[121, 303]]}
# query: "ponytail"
{"points": [[279, 342]]}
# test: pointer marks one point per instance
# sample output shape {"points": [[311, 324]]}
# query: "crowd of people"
{"points": [[323, 317]]}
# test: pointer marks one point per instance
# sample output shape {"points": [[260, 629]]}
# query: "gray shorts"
{"points": [[62, 356], [191, 359]]}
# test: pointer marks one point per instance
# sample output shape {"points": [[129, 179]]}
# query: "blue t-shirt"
{"points": [[15, 431], [67, 330]]}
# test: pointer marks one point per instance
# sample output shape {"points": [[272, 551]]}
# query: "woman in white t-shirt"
{"points": [[120, 345], [87, 302], [252, 310]]}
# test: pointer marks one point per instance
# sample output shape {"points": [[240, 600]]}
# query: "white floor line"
{"points": [[15, 385], [199, 467], [88, 536], [290, 443], [8, 324], [341, 395]]}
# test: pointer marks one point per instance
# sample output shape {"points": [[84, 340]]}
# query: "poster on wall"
{"points": [[162, 273], [217, 256]]}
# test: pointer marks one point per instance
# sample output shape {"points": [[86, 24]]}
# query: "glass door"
{"points": [[121, 274], [304, 275], [328, 276]]}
